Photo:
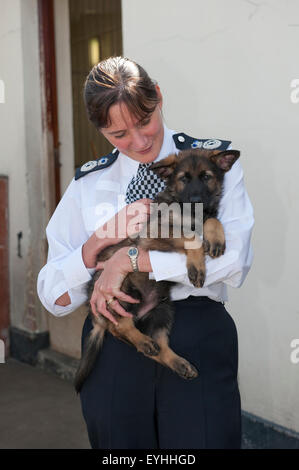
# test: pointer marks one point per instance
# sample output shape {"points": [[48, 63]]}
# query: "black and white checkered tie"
{"points": [[146, 184]]}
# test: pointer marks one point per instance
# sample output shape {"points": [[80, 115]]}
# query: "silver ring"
{"points": [[108, 302]]}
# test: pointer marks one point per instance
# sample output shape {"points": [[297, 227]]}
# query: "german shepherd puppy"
{"points": [[192, 176]]}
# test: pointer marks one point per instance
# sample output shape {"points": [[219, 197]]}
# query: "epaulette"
{"points": [[98, 164], [184, 142]]}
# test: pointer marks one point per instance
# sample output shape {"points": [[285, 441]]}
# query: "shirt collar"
{"points": [[168, 145]]}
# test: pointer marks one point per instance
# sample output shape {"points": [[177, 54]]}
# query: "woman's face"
{"points": [[139, 140]]}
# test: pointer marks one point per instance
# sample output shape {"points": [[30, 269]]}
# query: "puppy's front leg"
{"points": [[214, 238], [195, 260]]}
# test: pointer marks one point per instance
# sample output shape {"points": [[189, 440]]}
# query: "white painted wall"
{"points": [[20, 155], [225, 70], [64, 92], [12, 145]]}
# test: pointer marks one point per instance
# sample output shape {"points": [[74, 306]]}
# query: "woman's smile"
{"points": [[144, 152]]}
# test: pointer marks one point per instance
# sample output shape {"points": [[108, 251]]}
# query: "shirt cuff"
{"points": [[74, 270], [167, 265]]}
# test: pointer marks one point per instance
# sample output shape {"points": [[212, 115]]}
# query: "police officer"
{"points": [[129, 401]]}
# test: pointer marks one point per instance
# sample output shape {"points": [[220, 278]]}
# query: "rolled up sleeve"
{"points": [[65, 270]]}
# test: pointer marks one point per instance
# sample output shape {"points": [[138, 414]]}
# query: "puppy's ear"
{"points": [[164, 168], [225, 160]]}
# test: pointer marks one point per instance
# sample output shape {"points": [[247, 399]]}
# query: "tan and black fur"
{"points": [[192, 176]]}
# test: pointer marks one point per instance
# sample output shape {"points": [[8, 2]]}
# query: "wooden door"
{"points": [[96, 33]]}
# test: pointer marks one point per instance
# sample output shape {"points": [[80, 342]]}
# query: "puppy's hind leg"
{"points": [[127, 332], [169, 358]]}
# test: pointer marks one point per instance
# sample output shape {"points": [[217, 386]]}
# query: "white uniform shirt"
{"points": [[94, 198]]}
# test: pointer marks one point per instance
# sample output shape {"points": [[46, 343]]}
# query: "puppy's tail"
{"points": [[93, 344]]}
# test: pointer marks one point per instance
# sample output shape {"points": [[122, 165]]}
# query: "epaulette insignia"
{"points": [[183, 142], [98, 164]]}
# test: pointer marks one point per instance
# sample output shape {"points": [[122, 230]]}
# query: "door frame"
{"points": [[4, 258], [49, 101]]}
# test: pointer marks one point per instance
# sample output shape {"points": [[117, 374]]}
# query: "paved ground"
{"points": [[38, 410]]}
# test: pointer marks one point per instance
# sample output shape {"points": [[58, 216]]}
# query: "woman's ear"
{"points": [[159, 96]]}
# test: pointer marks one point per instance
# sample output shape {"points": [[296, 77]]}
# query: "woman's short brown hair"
{"points": [[118, 80]]}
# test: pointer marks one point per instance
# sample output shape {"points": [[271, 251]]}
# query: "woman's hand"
{"points": [[128, 221], [108, 286]]}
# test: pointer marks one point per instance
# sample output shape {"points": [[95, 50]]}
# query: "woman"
{"points": [[130, 401]]}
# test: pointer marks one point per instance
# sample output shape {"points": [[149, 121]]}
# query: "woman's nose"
{"points": [[139, 141]]}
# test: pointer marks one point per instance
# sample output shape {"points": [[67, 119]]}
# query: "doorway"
{"points": [[86, 31], [96, 33]]}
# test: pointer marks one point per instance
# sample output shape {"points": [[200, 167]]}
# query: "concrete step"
{"points": [[62, 365]]}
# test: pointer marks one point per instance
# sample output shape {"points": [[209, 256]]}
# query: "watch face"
{"points": [[133, 251]]}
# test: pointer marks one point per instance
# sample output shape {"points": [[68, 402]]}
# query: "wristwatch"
{"points": [[133, 255]]}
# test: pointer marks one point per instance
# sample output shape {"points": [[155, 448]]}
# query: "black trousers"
{"points": [[131, 402]]}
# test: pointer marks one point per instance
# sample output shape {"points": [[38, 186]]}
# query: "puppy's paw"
{"points": [[214, 249], [184, 369], [196, 276]]}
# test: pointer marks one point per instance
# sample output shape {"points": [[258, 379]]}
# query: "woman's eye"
{"points": [[206, 177], [120, 136]]}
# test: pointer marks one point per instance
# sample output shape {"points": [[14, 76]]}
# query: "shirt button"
{"points": [[181, 138]]}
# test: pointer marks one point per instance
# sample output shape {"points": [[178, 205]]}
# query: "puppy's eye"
{"points": [[206, 177], [184, 179]]}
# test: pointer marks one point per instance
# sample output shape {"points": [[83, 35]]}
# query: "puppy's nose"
{"points": [[195, 199]]}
